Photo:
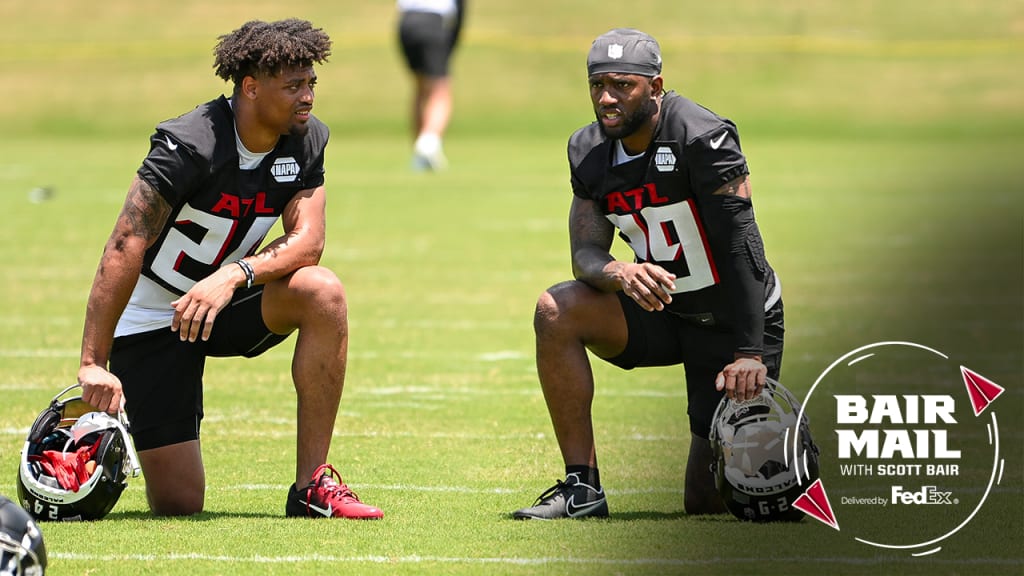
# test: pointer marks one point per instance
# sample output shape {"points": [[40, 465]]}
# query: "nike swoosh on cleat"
{"points": [[573, 511], [716, 142], [324, 511]]}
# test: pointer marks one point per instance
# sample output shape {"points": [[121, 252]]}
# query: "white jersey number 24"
{"points": [[211, 248]]}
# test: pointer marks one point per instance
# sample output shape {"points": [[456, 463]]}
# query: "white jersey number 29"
{"points": [[670, 233]]}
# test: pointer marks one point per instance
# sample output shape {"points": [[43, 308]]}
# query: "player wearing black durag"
{"points": [[669, 177]]}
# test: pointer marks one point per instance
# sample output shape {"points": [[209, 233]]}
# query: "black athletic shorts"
{"points": [[427, 42], [162, 376], [664, 339]]}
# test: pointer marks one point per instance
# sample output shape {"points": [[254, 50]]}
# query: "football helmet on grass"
{"points": [[75, 462], [756, 470]]}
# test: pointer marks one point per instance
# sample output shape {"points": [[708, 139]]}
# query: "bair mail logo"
{"points": [[914, 451]]}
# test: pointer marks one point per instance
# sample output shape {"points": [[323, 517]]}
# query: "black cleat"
{"points": [[569, 499]]}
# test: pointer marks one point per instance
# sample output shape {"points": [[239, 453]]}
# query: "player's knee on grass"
{"points": [[180, 504], [170, 498], [175, 479]]}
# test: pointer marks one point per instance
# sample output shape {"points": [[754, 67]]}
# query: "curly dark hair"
{"points": [[267, 48]]}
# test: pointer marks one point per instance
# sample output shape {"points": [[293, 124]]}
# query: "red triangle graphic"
{"points": [[814, 502], [981, 390]]}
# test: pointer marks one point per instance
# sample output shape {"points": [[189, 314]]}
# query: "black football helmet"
{"points": [[755, 470], [76, 461], [22, 552]]}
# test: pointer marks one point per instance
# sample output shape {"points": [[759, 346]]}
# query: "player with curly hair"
{"points": [[183, 275]]}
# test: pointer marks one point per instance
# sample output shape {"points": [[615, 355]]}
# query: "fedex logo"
{"points": [[926, 495]]}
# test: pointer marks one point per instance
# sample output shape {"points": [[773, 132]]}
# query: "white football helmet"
{"points": [[755, 471], [76, 461], [22, 551]]}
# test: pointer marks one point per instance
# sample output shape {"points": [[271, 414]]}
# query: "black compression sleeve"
{"points": [[739, 253]]}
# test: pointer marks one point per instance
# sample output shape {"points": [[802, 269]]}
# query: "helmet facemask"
{"points": [[22, 550], [756, 471]]}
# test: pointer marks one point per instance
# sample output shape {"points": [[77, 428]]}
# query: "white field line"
{"points": [[456, 391], [46, 321], [414, 392], [529, 490], [246, 487], [376, 324], [285, 352], [493, 356], [231, 488], [445, 489], [520, 561], [39, 353], [236, 488], [234, 431]]}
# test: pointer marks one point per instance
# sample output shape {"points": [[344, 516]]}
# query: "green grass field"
{"points": [[884, 140]]}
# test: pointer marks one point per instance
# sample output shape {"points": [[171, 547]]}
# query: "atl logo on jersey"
{"points": [[236, 206], [634, 200]]}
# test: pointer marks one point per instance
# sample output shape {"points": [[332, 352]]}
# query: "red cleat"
{"points": [[325, 497]]}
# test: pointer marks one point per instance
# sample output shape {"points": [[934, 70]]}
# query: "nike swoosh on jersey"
{"points": [[572, 510], [324, 511], [716, 142], [170, 144]]}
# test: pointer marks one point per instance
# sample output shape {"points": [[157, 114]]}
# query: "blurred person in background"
{"points": [[182, 277], [668, 176], [428, 31]]}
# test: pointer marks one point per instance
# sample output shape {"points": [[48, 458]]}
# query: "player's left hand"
{"points": [[743, 379], [196, 310]]}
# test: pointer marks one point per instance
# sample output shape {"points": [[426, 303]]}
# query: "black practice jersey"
{"points": [[219, 212], [663, 206]]}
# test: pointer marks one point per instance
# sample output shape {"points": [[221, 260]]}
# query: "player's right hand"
{"points": [[101, 389], [648, 284], [196, 310]]}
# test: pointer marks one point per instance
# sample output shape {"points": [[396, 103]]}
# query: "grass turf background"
{"points": [[884, 141]]}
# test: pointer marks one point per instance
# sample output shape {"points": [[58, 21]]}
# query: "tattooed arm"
{"points": [[140, 223], [590, 241], [739, 186]]}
